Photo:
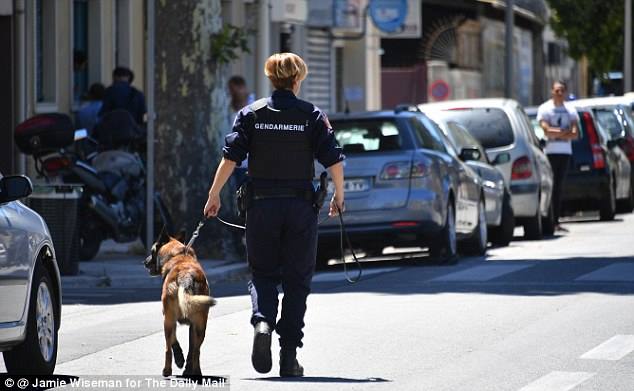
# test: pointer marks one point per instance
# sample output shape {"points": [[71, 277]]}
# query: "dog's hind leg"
{"points": [[169, 327], [199, 336], [178, 354], [188, 366]]}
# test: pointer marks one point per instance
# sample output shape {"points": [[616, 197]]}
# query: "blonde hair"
{"points": [[283, 69]]}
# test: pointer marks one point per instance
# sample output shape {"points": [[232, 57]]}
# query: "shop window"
{"points": [[45, 64]]}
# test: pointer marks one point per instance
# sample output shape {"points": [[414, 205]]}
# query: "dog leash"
{"points": [[342, 233]]}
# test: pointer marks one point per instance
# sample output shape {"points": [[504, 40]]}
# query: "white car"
{"points": [[30, 288], [504, 130]]}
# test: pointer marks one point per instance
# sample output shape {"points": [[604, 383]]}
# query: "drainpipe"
{"points": [[19, 14]]}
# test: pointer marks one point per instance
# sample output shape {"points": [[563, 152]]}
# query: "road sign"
{"points": [[388, 15], [439, 90]]}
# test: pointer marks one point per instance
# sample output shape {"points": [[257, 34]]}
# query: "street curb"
{"points": [[222, 273]]}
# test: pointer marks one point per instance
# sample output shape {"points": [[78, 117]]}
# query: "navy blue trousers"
{"points": [[281, 250]]}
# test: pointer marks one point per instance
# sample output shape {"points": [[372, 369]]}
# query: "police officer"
{"points": [[282, 136]]}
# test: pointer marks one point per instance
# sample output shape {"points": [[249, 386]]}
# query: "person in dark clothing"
{"points": [[88, 114], [122, 95], [282, 136]]}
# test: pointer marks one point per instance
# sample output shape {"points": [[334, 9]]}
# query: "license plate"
{"points": [[351, 185]]}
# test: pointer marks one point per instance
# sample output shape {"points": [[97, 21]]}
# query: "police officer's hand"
{"points": [[212, 206], [336, 202]]}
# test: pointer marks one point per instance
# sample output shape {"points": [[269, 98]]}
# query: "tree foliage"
{"points": [[593, 28]]}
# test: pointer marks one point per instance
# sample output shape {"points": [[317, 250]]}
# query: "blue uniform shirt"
{"points": [[323, 141]]}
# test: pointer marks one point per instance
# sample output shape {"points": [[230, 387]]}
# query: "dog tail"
{"points": [[189, 303]]}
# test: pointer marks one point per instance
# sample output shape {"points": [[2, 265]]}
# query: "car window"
{"points": [[428, 134], [490, 126], [608, 119], [367, 135], [629, 121], [465, 140]]}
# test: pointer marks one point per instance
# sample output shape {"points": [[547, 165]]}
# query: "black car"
{"points": [[598, 172]]}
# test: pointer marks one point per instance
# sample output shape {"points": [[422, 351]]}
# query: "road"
{"points": [[556, 314]]}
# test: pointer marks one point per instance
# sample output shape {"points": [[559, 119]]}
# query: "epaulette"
{"points": [[259, 104]]}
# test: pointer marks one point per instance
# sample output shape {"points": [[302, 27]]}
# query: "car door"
{"points": [[14, 262], [543, 165], [612, 125], [465, 181]]}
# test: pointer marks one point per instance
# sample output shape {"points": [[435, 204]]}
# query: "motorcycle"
{"points": [[110, 169]]}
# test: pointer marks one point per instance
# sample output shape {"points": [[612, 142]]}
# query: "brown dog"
{"points": [[185, 299]]}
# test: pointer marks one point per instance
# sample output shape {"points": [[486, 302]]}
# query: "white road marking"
{"points": [[623, 272], [481, 273], [558, 381], [352, 273], [613, 349]]}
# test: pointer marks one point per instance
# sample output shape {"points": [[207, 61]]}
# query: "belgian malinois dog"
{"points": [[185, 299]]}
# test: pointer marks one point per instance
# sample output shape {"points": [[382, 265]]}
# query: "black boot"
{"points": [[289, 367], [261, 354]]}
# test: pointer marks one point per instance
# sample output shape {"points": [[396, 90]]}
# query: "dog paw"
{"points": [[167, 372]]}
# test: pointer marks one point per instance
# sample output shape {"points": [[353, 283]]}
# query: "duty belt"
{"points": [[276, 192]]}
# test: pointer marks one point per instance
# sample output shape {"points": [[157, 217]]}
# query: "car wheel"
{"points": [[477, 243], [444, 248], [626, 205], [533, 229], [548, 222], [89, 243], [502, 235], [608, 205], [37, 354]]}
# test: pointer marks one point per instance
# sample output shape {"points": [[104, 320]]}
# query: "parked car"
{"points": [[617, 120], [30, 289], [503, 129], [599, 173], [404, 188], [499, 210]]}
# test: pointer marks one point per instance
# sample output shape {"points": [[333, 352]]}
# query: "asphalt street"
{"points": [[556, 314]]}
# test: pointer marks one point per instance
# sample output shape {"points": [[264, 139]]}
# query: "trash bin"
{"points": [[59, 206]]}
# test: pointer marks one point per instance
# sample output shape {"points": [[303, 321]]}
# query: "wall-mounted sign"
{"points": [[388, 15], [289, 11], [347, 16], [439, 90], [413, 25]]}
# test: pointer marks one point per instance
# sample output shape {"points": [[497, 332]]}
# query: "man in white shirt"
{"points": [[559, 122]]}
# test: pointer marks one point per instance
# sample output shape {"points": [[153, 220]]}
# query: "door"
{"points": [[14, 262]]}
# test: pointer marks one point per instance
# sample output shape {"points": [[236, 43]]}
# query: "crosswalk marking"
{"points": [[558, 381], [352, 271], [613, 349], [481, 273], [623, 272]]}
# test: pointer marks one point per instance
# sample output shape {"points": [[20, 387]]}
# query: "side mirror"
{"points": [[502, 158], [542, 143], [469, 154], [613, 144], [14, 187]]}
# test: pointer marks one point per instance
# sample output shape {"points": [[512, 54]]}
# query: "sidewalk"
{"points": [[117, 266]]}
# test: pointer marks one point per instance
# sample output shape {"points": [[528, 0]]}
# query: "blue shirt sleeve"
{"points": [[237, 142], [327, 151]]}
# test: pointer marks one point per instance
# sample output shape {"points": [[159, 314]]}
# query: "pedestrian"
{"points": [[122, 95], [239, 94], [87, 115], [559, 121], [282, 135]]}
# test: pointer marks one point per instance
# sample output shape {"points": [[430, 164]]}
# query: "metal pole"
{"points": [[19, 10], [627, 66], [508, 50], [263, 50], [149, 90]]}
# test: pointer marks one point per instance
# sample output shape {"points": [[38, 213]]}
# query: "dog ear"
{"points": [[180, 236]]}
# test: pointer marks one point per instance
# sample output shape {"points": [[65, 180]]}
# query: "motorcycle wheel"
{"points": [[89, 243]]}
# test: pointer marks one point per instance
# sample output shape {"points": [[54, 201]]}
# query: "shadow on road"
{"points": [[319, 379]]}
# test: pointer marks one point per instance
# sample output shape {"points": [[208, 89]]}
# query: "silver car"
{"points": [[404, 188], [30, 289], [506, 133], [499, 210]]}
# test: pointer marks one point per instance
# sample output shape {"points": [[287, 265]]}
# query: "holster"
{"points": [[244, 195]]}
